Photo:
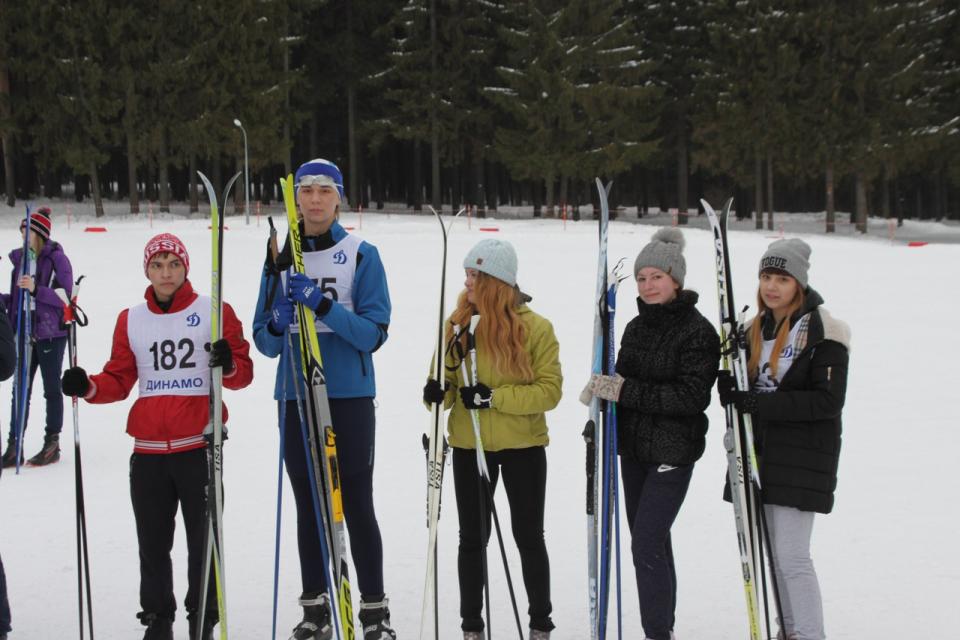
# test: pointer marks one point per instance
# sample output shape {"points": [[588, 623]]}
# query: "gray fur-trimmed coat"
{"points": [[668, 358]]}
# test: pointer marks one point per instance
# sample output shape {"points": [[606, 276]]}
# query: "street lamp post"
{"points": [[246, 171]]}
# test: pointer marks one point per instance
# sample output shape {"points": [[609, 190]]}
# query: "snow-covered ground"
{"points": [[887, 556]]}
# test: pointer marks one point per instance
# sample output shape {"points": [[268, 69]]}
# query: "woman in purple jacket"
{"points": [[49, 269]]}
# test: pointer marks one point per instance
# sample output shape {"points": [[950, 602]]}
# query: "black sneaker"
{"points": [[50, 452], [10, 455], [158, 627], [316, 623], [375, 620]]}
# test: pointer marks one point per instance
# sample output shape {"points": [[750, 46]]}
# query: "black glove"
{"points": [[433, 393], [726, 386], [479, 396], [221, 355], [744, 401], [75, 382]]}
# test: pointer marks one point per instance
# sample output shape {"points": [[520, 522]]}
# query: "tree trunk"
{"points": [[549, 182], [353, 183], [478, 180], [95, 189], [769, 190], [941, 195], [6, 139], [194, 198], [163, 172], [885, 194], [831, 211], [417, 177], [643, 206], [287, 144], [435, 191], [683, 168], [132, 175], [861, 187], [758, 190]]}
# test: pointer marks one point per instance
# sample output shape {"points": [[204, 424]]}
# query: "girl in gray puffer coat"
{"points": [[665, 371], [49, 270]]}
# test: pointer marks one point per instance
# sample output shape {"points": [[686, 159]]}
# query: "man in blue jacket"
{"points": [[345, 284]]}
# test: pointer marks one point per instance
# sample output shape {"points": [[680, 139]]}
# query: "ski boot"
{"points": [[375, 620], [537, 634], [473, 635], [158, 627], [316, 623], [10, 455], [209, 622], [50, 452]]}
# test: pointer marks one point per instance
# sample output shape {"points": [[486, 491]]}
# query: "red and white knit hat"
{"points": [[165, 243], [39, 223]]}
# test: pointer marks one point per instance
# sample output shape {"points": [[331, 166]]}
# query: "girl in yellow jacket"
{"points": [[518, 380]]}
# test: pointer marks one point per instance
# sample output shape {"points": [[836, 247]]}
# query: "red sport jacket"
{"points": [[167, 423]]}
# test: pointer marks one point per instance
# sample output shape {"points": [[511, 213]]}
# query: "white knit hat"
{"points": [[496, 258]]}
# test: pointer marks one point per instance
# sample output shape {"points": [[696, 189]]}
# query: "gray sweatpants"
{"points": [[790, 531]]}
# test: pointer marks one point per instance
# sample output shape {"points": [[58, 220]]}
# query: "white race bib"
{"points": [[333, 270], [171, 349]]}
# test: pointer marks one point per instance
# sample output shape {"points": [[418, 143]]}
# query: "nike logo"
{"points": [[665, 467]]}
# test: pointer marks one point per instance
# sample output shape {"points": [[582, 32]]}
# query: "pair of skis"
{"points": [[213, 547], [742, 468], [21, 383], [600, 436], [435, 446], [321, 440]]}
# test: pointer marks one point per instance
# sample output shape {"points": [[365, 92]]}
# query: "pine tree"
{"points": [[673, 33], [574, 94], [745, 113]]}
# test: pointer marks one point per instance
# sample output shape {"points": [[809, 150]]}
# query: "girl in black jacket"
{"points": [[798, 378], [664, 374]]}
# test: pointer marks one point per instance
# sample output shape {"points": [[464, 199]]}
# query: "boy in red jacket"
{"points": [[164, 343]]}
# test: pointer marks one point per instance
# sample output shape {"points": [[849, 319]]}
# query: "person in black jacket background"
{"points": [[664, 376], [8, 362], [798, 356]]}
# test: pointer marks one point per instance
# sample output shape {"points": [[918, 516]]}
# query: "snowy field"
{"points": [[887, 557]]}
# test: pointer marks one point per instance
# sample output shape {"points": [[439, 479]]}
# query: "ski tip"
{"points": [[727, 205]]}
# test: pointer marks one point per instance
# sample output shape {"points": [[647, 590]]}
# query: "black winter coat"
{"points": [[668, 357], [798, 426]]}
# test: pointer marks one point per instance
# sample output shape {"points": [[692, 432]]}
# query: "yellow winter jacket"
{"points": [[516, 418]]}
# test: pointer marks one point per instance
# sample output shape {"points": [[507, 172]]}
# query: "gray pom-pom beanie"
{"points": [[665, 252]]}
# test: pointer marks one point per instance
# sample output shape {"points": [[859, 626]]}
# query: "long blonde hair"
{"points": [[755, 334], [500, 331]]}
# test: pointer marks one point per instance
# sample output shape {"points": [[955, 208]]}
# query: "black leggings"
{"points": [[354, 425], [525, 480]]}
